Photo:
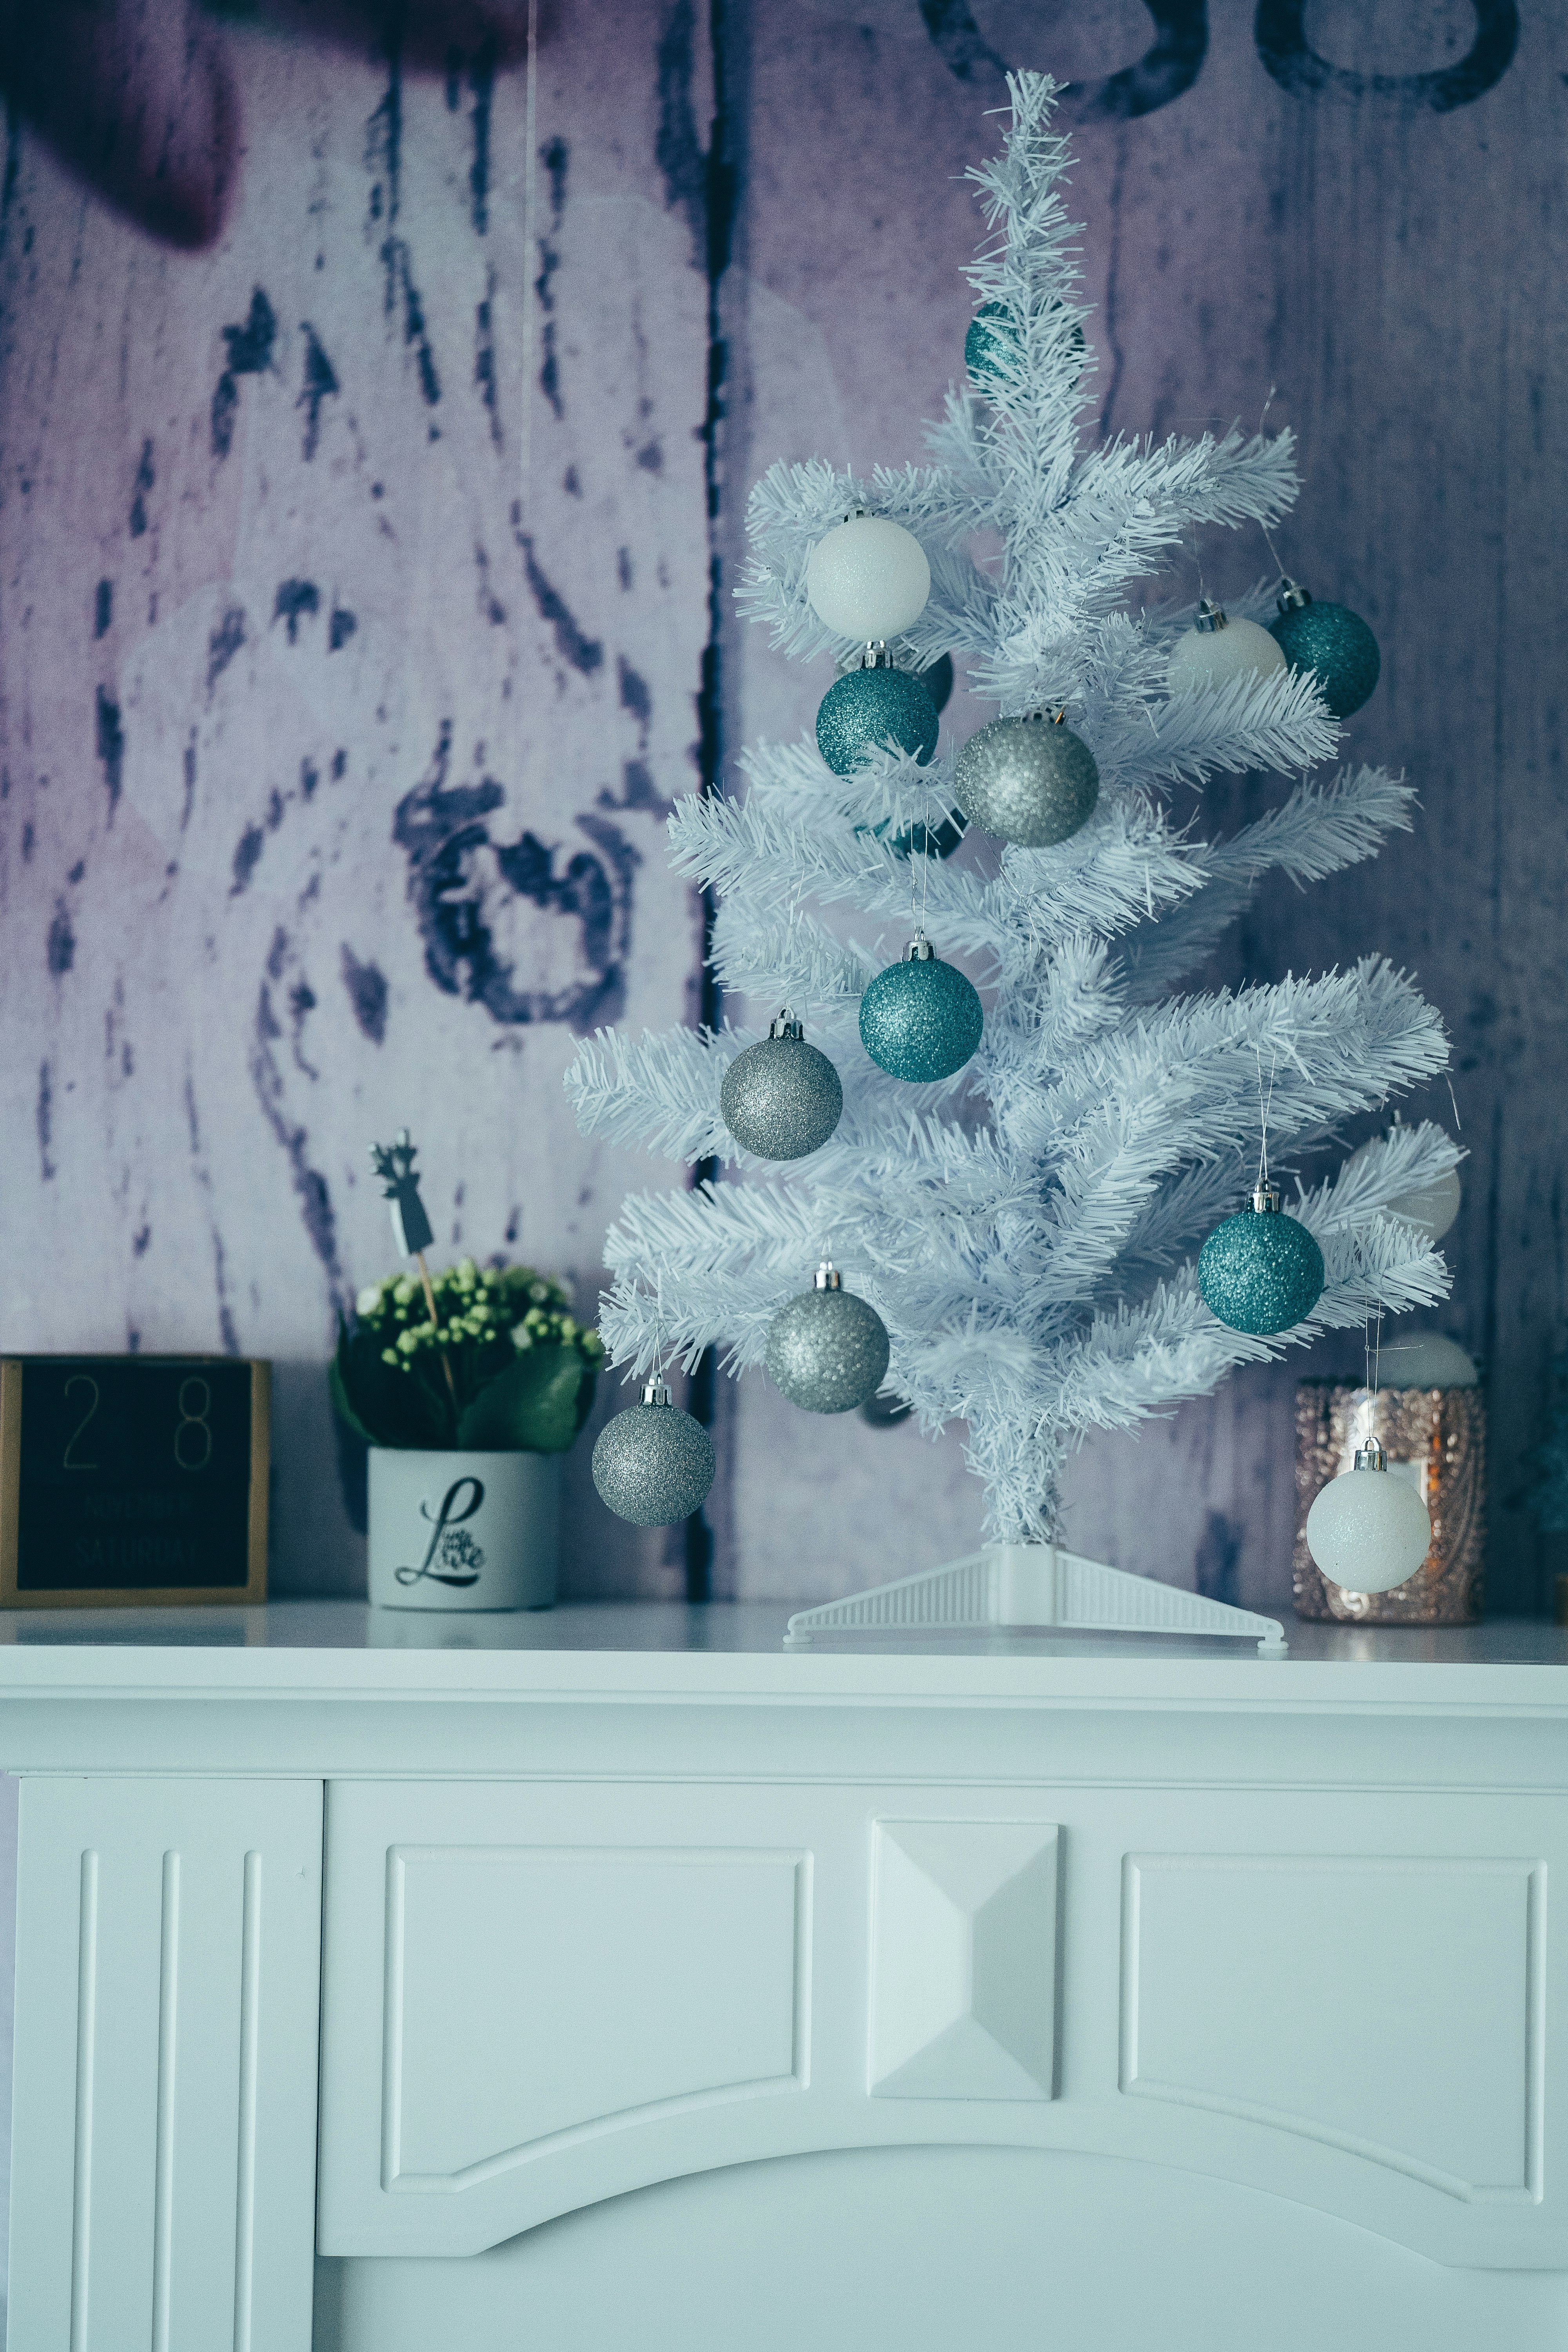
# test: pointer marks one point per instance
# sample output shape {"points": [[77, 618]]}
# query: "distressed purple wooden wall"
{"points": [[355, 630]]}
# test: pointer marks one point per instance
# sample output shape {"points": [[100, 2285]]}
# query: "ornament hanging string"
{"points": [[1265, 1104], [1262, 526]]}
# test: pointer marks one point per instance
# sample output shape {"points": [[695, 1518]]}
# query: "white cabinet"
{"points": [[539, 1997]]}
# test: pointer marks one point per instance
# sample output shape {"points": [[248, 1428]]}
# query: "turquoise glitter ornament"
{"points": [[653, 1464], [1331, 640], [827, 1351], [872, 705], [991, 332], [921, 1020], [1260, 1271]]}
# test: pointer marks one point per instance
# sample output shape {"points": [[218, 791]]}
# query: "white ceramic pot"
{"points": [[463, 1530]]}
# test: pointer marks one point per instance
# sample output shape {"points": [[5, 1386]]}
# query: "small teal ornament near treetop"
{"points": [[653, 1464], [1331, 641], [827, 1351], [871, 704], [991, 334], [1261, 1271], [921, 1020]]}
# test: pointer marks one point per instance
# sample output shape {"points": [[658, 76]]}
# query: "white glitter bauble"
{"points": [[1219, 649], [870, 579], [1368, 1530], [1431, 1208]]}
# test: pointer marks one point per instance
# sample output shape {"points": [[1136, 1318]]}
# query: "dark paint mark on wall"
{"points": [[1280, 32], [139, 1241], [481, 83], [460, 882], [571, 484], [556, 158], [624, 566], [677, 149], [1170, 65], [111, 742], [485, 359], [320, 384], [190, 766], [650, 457], [223, 644], [297, 599], [77, 870], [44, 1120], [309, 777], [145, 480], [103, 609], [249, 353], [247, 856], [490, 607], [583, 653], [366, 985], [61, 949], [400, 288], [339, 628], [270, 1084], [1219, 1558]]}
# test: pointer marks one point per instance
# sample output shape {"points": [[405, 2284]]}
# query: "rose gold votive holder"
{"points": [[1436, 1438]]}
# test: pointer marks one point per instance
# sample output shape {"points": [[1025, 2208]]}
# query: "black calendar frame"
{"points": [[13, 1442]]}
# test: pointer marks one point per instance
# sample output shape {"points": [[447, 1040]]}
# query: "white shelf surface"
{"points": [[726, 1650]]}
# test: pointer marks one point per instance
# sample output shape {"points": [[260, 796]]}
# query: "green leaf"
{"points": [[382, 1404], [536, 1406]]}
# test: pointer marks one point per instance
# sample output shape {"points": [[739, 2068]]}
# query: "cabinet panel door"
{"points": [[168, 1942], [537, 1996]]}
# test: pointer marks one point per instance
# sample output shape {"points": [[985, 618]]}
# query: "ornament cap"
{"points": [[1370, 1457], [653, 1392], [1211, 618], [784, 1024], [828, 1277], [920, 950], [873, 654], [1266, 1200], [1293, 597]]}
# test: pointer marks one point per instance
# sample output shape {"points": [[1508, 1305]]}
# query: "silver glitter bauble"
{"points": [[653, 1464], [827, 1351], [781, 1098], [1031, 781]]}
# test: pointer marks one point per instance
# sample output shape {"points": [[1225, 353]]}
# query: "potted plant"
{"points": [[467, 1385]]}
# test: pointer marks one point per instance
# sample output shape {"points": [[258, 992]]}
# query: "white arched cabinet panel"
{"points": [[541, 1994], [1387, 2007]]}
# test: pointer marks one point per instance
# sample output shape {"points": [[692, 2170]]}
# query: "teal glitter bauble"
{"points": [[930, 840], [865, 708], [1260, 1271], [1332, 640], [991, 330], [921, 1019]]}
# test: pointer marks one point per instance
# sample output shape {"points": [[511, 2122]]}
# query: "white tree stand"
{"points": [[1032, 1585]]}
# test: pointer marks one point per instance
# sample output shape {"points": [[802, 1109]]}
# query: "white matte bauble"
{"points": [[1429, 1360], [1219, 649], [1430, 1207], [1368, 1530], [870, 579]]}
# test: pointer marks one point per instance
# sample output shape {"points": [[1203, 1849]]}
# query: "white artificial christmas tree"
{"points": [[1027, 1229]]}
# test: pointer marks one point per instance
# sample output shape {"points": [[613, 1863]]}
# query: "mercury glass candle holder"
{"points": [[1436, 1438]]}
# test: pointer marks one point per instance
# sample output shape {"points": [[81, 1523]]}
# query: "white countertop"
{"points": [[729, 1651]]}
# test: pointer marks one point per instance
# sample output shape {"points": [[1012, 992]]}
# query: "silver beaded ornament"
{"points": [[653, 1464], [781, 1098], [1027, 780], [827, 1351]]}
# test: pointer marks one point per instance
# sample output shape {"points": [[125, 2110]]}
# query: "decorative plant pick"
{"points": [[410, 1225]]}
